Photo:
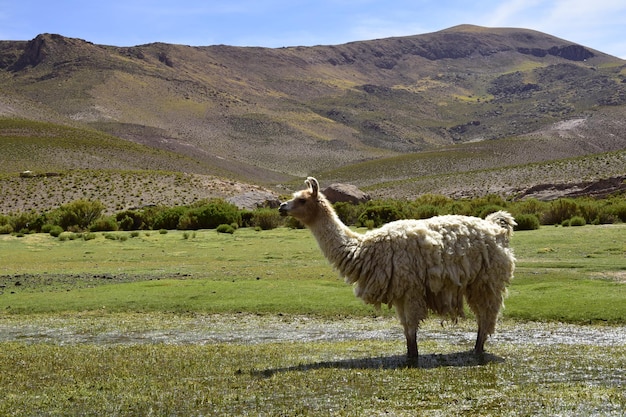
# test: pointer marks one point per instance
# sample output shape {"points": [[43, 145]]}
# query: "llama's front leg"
{"points": [[410, 315], [486, 326], [479, 348], [411, 341]]}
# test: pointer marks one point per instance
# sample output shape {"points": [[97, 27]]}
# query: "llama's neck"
{"points": [[335, 239]]}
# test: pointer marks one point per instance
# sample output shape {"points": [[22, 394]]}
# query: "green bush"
{"points": [[560, 210], [577, 221], [527, 222], [26, 222], [266, 219], [168, 218], [617, 209], [379, 214], [348, 213], [487, 210], [293, 223], [104, 224], [483, 206], [188, 221], [436, 200], [225, 228], [6, 229], [246, 218], [79, 214], [425, 211], [55, 231], [130, 220], [210, 215]]}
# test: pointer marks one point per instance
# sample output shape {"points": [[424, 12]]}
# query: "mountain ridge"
{"points": [[274, 115]]}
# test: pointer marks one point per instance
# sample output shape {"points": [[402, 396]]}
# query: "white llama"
{"points": [[417, 265]]}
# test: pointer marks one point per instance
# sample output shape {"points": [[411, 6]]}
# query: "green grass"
{"points": [[99, 327], [289, 379], [568, 274]]}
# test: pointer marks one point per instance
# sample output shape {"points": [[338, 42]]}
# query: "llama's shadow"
{"points": [[430, 361]]}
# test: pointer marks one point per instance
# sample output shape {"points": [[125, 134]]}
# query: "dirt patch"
{"points": [[617, 276]]}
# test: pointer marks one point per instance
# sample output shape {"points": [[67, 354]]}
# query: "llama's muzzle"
{"points": [[284, 209]]}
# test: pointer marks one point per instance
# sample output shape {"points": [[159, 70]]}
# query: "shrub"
{"points": [[6, 229], [217, 212], [618, 209], [577, 221], [488, 204], [293, 223], [130, 220], [266, 219], [104, 224], [225, 228], [560, 210], [168, 218], [531, 206], [347, 212], [459, 207], [527, 222], [79, 214], [487, 210], [188, 221], [26, 221], [380, 214], [425, 211], [436, 200], [246, 218], [55, 231], [209, 215]]}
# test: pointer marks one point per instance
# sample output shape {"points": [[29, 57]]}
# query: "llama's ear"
{"points": [[313, 185]]}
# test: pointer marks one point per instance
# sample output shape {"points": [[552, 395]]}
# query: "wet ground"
{"points": [[254, 329]]}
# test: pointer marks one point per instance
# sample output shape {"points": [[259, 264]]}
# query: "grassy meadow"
{"points": [[257, 323]]}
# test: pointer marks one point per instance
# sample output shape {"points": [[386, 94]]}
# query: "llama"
{"points": [[417, 265]]}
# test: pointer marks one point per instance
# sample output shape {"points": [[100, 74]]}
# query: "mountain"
{"points": [[388, 114]]}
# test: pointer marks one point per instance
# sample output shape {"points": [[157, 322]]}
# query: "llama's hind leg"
{"points": [[410, 334], [485, 305], [481, 337], [410, 315]]}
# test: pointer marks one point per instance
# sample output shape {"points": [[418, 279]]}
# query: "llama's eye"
{"points": [[301, 200]]}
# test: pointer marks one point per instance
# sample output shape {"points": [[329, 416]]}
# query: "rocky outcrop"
{"points": [[569, 52], [597, 189], [255, 199], [345, 193]]}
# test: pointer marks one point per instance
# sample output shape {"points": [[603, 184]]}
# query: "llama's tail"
{"points": [[503, 219]]}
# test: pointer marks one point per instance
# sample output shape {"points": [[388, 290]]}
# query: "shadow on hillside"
{"points": [[429, 361]]}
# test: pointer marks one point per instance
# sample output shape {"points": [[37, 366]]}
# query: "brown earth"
{"points": [[463, 111]]}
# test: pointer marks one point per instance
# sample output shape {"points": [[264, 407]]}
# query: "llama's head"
{"points": [[306, 205]]}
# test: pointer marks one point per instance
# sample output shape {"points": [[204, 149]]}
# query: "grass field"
{"points": [[257, 323]]}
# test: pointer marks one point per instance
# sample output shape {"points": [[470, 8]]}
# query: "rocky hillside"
{"points": [[375, 113]]}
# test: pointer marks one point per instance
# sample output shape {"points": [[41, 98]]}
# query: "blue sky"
{"points": [[598, 24]]}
